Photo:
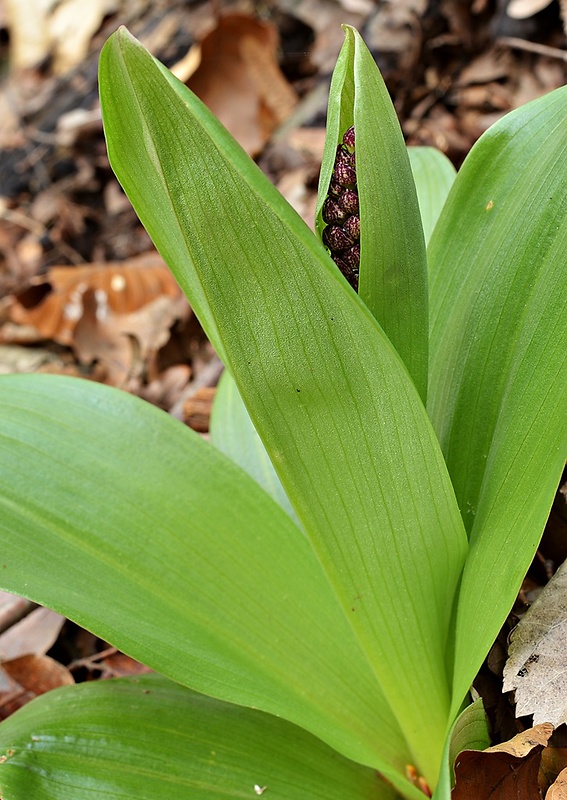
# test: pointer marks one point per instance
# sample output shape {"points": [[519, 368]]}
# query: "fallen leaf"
{"points": [[239, 79], [537, 660], [197, 409], [28, 677], [33, 635], [522, 9], [117, 314], [507, 771], [40, 28], [558, 790]]}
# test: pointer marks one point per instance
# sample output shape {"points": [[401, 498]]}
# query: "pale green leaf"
{"points": [[469, 732], [130, 524], [150, 739], [329, 396], [433, 175], [393, 267], [233, 433], [498, 387]]}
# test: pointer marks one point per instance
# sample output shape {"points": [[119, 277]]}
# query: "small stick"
{"points": [[533, 47]]}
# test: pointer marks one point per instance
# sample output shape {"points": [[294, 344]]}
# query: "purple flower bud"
{"points": [[335, 238], [348, 138], [335, 189], [351, 226], [350, 274], [344, 156], [344, 174], [333, 211], [349, 201], [351, 257]]}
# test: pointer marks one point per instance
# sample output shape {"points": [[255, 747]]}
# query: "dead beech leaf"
{"points": [[505, 772], [35, 634], [239, 79], [537, 661], [26, 677], [114, 313], [558, 790]]}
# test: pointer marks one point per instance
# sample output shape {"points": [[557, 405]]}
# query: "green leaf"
{"points": [[393, 266], [130, 524], [150, 739], [433, 175], [329, 396], [469, 732], [498, 388], [233, 433]]}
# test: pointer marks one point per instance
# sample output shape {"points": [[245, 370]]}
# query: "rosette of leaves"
{"points": [[318, 585]]}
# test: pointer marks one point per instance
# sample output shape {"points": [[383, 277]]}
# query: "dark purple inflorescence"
{"points": [[340, 212]]}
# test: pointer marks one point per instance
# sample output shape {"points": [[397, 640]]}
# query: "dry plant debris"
{"points": [[537, 660]]}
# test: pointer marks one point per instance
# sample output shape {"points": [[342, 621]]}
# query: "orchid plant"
{"points": [[317, 586]]}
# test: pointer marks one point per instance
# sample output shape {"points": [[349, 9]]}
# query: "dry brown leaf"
{"points": [[27, 677], [118, 314], [39, 28], [558, 790], [240, 81], [537, 660], [505, 772], [197, 409], [33, 635]]}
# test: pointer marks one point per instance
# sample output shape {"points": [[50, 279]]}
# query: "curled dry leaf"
{"points": [[537, 661], [240, 81], [507, 771], [35, 634], [115, 313], [27, 677], [558, 790]]}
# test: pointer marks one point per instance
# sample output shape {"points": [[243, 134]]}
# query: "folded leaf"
{"points": [[329, 396], [433, 175], [498, 384], [469, 732], [150, 739], [393, 266], [233, 432], [127, 522]]}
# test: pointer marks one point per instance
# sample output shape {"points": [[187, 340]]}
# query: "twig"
{"points": [[533, 47]]}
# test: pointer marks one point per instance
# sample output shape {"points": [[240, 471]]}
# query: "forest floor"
{"points": [[71, 245]]}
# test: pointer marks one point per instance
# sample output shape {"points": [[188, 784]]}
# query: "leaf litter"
{"points": [[537, 662]]}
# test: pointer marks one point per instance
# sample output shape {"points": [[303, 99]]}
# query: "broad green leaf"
{"points": [[469, 732], [498, 387], [393, 266], [150, 739], [433, 175], [130, 524], [326, 391], [233, 433]]}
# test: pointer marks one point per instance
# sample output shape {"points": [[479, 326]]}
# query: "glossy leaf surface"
{"points": [[393, 267], [145, 534], [332, 402], [498, 387], [150, 739]]}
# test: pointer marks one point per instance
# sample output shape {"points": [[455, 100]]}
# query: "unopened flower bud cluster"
{"points": [[341, 212]]}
